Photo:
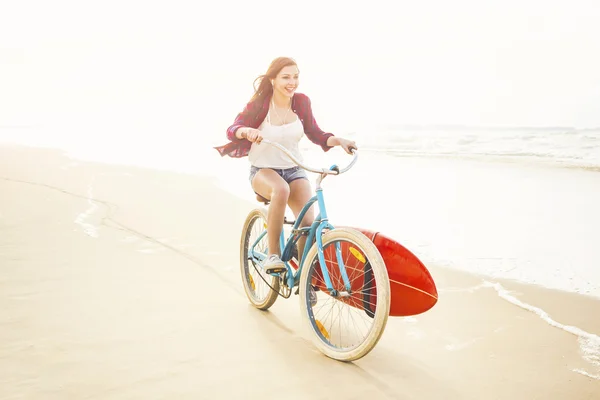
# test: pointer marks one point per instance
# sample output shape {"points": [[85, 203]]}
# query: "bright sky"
{"points": [[182, 66]]}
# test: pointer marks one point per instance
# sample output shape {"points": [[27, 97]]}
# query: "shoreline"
{"points": [[59, 152], [214, 181], [149, 272]]}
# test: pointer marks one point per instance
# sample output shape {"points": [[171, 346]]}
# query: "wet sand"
{"points": [[123, 283]]}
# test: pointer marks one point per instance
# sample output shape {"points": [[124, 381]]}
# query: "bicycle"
{"points": [[318, 283]]}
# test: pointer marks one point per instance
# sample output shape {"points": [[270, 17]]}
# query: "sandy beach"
{"points": [[123, 283]]}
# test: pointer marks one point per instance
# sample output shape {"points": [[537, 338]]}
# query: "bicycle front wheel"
{"points": [[261, 288], [346, 324]]}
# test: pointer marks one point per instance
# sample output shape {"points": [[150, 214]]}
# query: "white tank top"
{"points": [[288, 135]]}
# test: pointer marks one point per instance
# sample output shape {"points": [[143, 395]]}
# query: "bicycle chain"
{"points": [[269, 285]]}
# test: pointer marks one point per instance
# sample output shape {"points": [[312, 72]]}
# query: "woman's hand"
{"points": [[253, 135], [348, 145]]}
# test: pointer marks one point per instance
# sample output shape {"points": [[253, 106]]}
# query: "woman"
{"points": [[276, 112]]}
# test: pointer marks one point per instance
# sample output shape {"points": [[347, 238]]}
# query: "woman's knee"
{"points": [[308, 219], [271, 186], [280, 192]]}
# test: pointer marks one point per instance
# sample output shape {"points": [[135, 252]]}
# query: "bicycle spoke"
{"points": [[346, 319], [262, 289]]}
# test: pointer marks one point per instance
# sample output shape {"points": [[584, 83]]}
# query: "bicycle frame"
{"points": [[315, 233]]}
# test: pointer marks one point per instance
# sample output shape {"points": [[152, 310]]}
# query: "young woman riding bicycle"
{"points": [[278, 113]]}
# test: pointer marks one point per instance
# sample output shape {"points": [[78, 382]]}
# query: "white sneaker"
{"points": [[274, 265]]}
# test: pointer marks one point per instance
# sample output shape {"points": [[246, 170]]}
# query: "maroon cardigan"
{"points": [[253, 115]]}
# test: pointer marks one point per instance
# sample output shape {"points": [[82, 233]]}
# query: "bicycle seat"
{"points": [[262, 199]]}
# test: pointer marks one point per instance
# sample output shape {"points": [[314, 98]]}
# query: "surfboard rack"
{"points": [[301, 231]]}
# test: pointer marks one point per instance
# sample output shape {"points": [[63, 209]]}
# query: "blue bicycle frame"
{"points": [[315, 233]]}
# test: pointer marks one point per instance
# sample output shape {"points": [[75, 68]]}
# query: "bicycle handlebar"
{"points": [[331, 171]]}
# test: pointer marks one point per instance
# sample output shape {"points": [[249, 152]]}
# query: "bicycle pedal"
{"points": [[275, 271]]}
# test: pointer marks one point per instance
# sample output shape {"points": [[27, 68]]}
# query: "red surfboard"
{"points": [[413, 290]]}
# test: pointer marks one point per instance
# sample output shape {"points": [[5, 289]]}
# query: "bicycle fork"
{"points": [[324, 224], [340, 262]]}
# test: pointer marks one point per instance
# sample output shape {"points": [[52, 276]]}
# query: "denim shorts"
{"points": [[288, 174]]}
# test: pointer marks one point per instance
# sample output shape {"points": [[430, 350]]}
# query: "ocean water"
{"points": [[557, 146], [519, 203]]}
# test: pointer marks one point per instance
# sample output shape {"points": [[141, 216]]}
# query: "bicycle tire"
{"points": [[246, 265], [379, 317]]}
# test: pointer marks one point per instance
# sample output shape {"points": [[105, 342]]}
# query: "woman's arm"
{"points": [[318, 136], [312, 130], [242, 120]]}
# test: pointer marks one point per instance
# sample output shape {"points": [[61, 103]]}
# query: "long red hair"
{"points": [[262, 84]]}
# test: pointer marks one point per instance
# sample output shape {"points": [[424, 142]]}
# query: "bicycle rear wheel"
{"points": [[261, 288], [345, 325]]}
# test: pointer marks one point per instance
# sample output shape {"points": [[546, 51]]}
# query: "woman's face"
{"points": [[286, 82]]}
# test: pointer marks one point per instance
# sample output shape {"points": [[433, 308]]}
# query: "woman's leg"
{"points": [[271, 186], [300, 194]]}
